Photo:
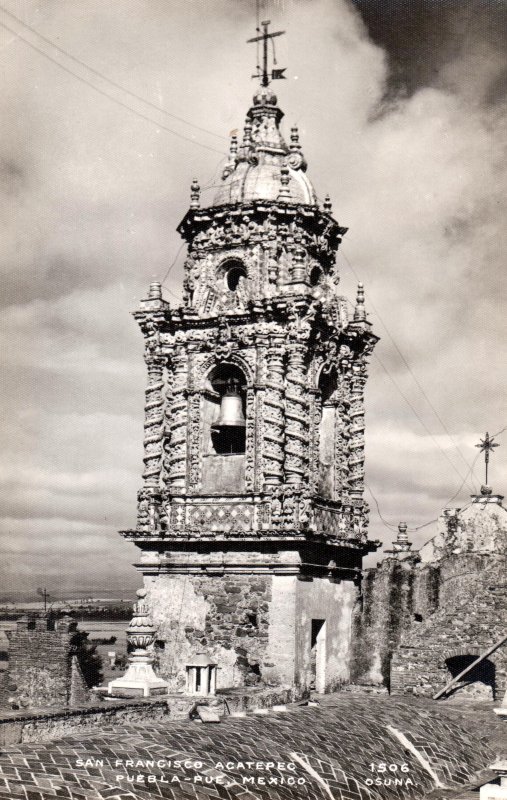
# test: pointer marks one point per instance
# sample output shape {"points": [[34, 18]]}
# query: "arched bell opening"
{"points": [[224, 424], [233, 271], [228, 430], [327, 385]]}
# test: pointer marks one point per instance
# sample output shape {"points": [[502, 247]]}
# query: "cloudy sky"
{"points": [[108, 110]]}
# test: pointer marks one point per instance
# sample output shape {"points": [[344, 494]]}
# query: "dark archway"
{"points": [[480, 681]]}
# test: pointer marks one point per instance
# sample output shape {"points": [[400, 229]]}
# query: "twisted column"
{"points": [[273, 415], [342, 431], [153, 423], [356, 445], [296, 432], [176, 421], [315, 416]]}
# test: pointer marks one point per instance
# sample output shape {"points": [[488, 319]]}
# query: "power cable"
{"points": [[407, 365], [419, 418], [109, 80], [182, 245], [431, 521], [109, 96], [384, 522]]}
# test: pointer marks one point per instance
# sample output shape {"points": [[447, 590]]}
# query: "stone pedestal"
{"points": [[140, 679]]}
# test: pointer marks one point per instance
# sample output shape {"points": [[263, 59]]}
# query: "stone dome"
{"points": [[263, 166], [262, 182]]}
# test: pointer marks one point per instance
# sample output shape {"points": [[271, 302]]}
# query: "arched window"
{"points": [[233, 271], [228, 428]]}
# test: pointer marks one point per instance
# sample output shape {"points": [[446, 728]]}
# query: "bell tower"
{"points": [[251, 519]]}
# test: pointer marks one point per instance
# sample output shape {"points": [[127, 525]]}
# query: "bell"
{"points": [[231, 409]]}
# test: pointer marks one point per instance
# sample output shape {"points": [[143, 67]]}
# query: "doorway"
{"points": [[318, 655]]}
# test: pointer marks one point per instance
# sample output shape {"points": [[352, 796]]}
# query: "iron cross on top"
{"points": [[486, 446], [264, 75]]}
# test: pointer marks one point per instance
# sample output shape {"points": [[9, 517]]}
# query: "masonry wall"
{"points": [[256, 625], [225, 616], [43, 670], [471, 619], [389, 595]]}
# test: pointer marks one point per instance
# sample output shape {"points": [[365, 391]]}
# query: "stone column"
{"points": [[342, 430], [177, 414], [149, 496], [296, 411], [153, 423], [315, 416], [273, 416], [356, 459]]}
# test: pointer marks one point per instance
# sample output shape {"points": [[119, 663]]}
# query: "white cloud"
{"points": [[91, 195]]}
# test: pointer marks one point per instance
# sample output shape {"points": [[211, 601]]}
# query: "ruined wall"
{"points": [[43, 670], [389, 593], [471, 618]]}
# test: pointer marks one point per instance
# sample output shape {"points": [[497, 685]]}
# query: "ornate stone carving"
{"points": [[177, 422], [283, 333], [356, 444], [296, 432], [153, 422], [195, 438], [274, 418], [250, 460]]}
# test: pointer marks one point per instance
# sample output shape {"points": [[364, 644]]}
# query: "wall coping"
{"points": [[30, 714]]}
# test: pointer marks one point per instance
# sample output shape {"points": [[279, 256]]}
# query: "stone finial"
{"points": [[360, 311], [195, 194], [402, 537], [284, 180], [327, 204], [294, 139], [247, 134], [298, 264], [402, 544], [140, 678], [233, 156], [155, 291]]}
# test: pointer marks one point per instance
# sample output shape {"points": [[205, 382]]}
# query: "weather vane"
{"points": [[264, 74], [486, 446]]}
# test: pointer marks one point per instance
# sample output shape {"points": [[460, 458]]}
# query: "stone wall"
{"points": [[472, 619], [390, 595], [256, 624], [43, 667], [226, 617], [45, 724]]}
